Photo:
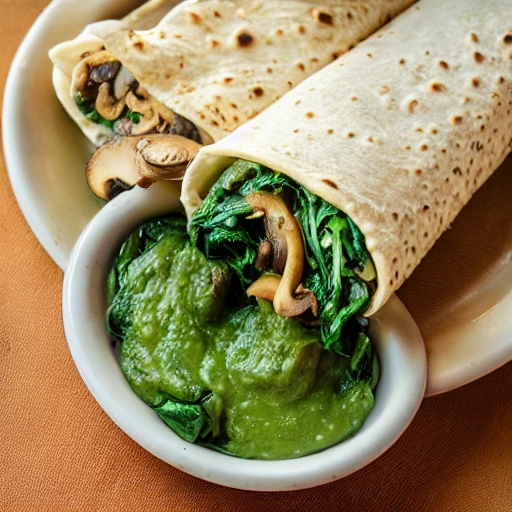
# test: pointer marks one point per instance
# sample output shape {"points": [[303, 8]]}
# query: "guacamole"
{"points": [[223, 370]]}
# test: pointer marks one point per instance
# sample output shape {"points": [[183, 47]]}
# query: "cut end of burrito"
{"points": [[106, 100], [289, 247]]}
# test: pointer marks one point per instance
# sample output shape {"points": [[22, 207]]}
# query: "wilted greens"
{"points": [[335, 250], [221, 370]]}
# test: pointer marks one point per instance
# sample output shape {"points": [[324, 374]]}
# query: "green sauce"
{"points": [[221, 371]]}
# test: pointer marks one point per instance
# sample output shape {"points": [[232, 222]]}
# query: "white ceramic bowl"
{"points": [[398, 341]]}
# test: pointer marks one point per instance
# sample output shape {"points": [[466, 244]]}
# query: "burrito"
{"points": [[397, 134], [205, 66]]}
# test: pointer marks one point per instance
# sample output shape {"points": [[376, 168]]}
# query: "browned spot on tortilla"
{"points": [[370, 139], [258, 91], [245, 40], [412, 105], [310, 114], [444, 64], [217, 14], [161, 35], [131, 34], [401, 62], [434, 131], [178, 36], [351, 135], [301, 29], [301, 66], [314, 60], [323, 17], [476, 82], [350, 16], [228, 79], [418, 172], [290, 84], [427, 53], [370, 55], [384, 89], [335, 55], [479, 57], [214, 122], [457, 170], [330, 131], [195, 18], [354, 98], [330, 183], [201, 116], [407, 148], [456, 119], [508, 38], [269, 70], [279, 32], [218, 97], [473, 37], [437, 87], [296, 130], [139, 45], [467, 100], [426, 207], [501, 80], [394, 215], [214, 43], [424, 147], [235, 118]]}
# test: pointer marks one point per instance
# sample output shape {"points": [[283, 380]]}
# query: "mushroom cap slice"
{"points": [[122, 163], [284, 233]]}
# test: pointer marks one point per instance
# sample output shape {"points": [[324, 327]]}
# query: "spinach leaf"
{"points": [[187, 420]]}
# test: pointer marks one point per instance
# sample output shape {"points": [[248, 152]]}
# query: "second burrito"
{"points": [[207, 66]]}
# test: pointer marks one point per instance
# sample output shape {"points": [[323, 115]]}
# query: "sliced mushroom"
{"points": [[123, 82], [122, 163], [155, 115], [81, 81], [285, 235], [106, 103], [266, 287]]}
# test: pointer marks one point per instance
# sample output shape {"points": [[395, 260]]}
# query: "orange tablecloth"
{"points": [[59, 451]]}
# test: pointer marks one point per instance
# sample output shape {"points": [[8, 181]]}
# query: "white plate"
{"points": [[46, 154]]}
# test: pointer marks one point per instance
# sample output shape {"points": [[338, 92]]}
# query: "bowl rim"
{"points": [[398, 396]]}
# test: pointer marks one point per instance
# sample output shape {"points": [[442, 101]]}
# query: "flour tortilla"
{"points": [[219, 63], [398, 133]]}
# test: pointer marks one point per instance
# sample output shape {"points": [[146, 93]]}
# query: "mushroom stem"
{"points": [[284, 232]]}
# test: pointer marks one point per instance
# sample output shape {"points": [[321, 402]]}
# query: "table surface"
{"points": [[59, 451]]}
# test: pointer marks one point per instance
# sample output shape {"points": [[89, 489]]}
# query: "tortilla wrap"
{"points": [[218, 63], [398, 133]]}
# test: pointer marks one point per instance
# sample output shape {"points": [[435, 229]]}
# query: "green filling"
{"points": [[335, 249], [221, 371], [89, 111]]}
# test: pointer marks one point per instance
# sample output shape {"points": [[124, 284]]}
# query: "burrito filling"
{"points": [[243, 330], [107, 93]]}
